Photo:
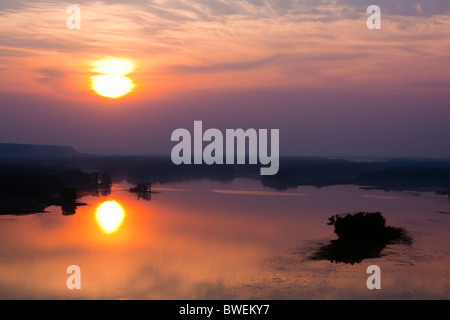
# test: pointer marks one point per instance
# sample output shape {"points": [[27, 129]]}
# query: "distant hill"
{"points": [[12, 150]]}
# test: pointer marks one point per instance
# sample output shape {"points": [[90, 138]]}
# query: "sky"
{"points": [[311, 69]]}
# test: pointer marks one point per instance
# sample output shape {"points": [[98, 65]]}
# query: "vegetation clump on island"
{"points": [[141, 188], [143, 191], [360, 236]]}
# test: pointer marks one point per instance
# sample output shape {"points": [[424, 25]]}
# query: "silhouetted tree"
{"points": [[101, 184], [359, 226], [68, 197], [68, 194], [105, 180], [142, 188], [360, 236]]}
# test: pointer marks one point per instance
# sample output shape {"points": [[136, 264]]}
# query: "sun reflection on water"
{"points": [[109, 216]]}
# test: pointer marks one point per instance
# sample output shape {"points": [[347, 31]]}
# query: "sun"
{"points": [[112, 79], [109, 216], [112, 86]]}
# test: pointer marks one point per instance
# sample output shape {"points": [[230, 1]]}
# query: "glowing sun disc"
{"points": [[109, 216], [112, 80], [111, 86]]}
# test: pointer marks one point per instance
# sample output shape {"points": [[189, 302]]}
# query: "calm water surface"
{"points": [[214, 240]]}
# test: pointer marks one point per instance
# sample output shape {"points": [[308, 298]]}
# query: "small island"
{"points": [[142, 188], [143, 191], [361, 236]]}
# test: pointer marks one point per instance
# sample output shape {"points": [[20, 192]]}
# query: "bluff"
{"points": [[12, 150]]}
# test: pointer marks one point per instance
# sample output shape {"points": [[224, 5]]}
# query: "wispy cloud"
{"points": [[289, 42], [226, 67]]}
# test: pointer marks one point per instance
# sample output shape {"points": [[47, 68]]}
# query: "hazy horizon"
{"points": [[337, 157]]}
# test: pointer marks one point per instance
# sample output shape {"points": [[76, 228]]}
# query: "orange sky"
{"points": [[191, 47]]}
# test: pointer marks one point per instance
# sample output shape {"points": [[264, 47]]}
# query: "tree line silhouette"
{"points": [[31, 189]]}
